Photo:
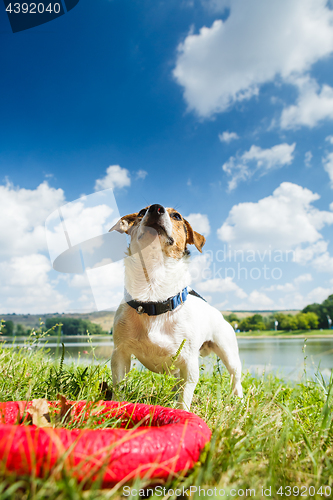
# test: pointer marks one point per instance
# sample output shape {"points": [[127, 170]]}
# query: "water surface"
{"points": [[283, 356]]}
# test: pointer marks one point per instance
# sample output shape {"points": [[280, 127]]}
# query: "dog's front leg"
{"points": [[120, 366], [190, 375]]}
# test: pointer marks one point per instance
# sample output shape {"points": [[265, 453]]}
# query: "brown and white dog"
{"points": [[160, 312]]}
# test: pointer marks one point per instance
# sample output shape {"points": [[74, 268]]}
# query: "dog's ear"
{"points": [[124, 224], [194, 238]]}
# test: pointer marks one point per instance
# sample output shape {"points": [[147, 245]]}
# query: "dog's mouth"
{"points": [[160, 230]]}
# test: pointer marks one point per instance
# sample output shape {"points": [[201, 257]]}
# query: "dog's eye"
{"points": [[142, 212], [176, 216]]}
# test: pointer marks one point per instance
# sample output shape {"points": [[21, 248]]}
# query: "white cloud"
{"points": [[303, 278], [296, 300], [28, 283], [199, 223], [329, 138], [319, 294], [285, 288], [107, 285], [293, 300], [228, 136], [312, 106], [324, 263], [290, 287], [307, 158], [24, 272], [201, 276], [328, 166], [259, 41], [284, 221], [28, 270], [200, 267], [141, 174], [256, 159], [256, 300], [259, 300], [83, 222], [116, 177], [23, 214], [26, 286], [304, 255], [290, 299], [222, 285], [221, 305]]}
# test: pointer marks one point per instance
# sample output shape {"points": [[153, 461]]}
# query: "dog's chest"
{"points": [[157, 346]]}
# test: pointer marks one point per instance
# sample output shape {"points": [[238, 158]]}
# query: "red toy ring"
{"points": [[170, 444]]}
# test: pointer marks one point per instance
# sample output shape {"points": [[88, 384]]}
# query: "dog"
{"points": [[160, 312]]}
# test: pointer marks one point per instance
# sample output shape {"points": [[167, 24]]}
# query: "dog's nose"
{"points": [[156, 209]]}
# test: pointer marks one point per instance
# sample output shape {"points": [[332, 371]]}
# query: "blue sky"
{"points": [[222, 109]]}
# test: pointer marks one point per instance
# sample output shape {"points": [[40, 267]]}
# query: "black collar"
{"points": [[157, 308]]}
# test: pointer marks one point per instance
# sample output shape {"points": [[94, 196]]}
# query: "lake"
{"points": [[283, 356]]}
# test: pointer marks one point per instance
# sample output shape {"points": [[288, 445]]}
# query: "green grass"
{"points": [[281, 435]]}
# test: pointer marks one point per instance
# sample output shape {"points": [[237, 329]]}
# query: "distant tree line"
{"points": [[70, 326], [300, 321], [74, 326], [9, 328], [312, 317], [323, 311]]}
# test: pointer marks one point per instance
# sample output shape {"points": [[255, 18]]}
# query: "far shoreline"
{"points": [[288, 335]]}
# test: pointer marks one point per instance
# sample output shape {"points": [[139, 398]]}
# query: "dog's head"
{"points": [[173, 231]]}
